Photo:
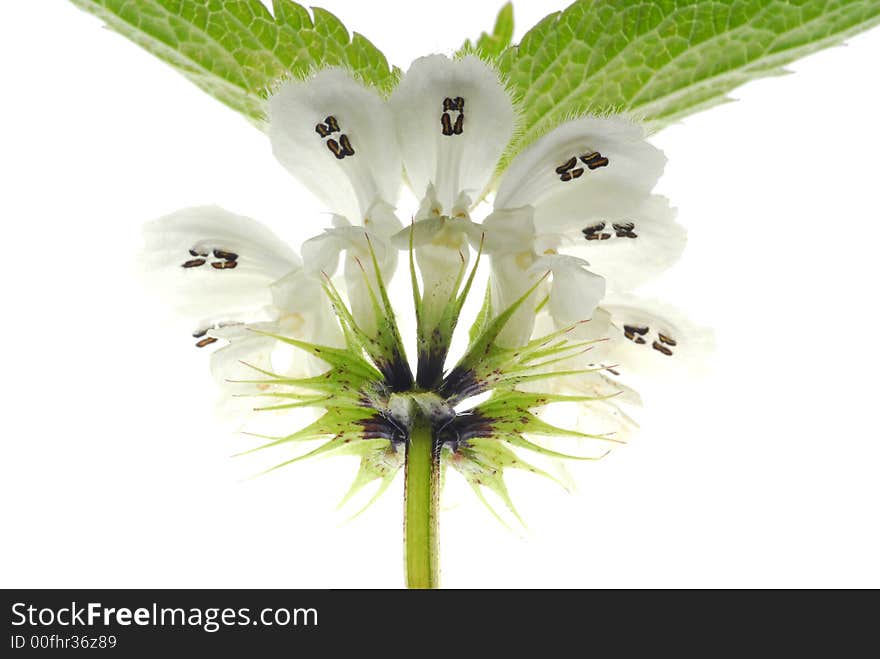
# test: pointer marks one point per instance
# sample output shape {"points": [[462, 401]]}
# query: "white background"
{"points": [[115, 473]]}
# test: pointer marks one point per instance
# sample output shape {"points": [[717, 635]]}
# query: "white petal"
{"points": [[248, 347], [652, 338], [635, 248], [247, 350], [381, 219], [442, 248], [332, 109], [600, 385], [230, 363], [607, 415], [321, 255], [593, 189], [512, 275], [304, 312], [298, 292], [189, 255], [607, 418], [464, 99], [360, 279], [453, 232], [509, 231], [440, 261], [574, 291], [420, 232]]}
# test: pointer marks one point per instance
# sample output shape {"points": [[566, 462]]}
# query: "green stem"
{"points": [[421, 497]]}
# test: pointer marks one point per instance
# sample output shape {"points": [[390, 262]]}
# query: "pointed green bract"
{"points": [[662, 60], [237, 50]]}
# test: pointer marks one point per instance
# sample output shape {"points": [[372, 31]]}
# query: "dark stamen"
{"points": [[668, 340], [333, 145], [226, 256], [346, 145], [568, 164], [659, 347], [625, 230], [446, 123], [594, 160], [458, 129]]}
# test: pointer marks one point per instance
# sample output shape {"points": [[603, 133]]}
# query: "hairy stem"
{"points": [[421, 497]]}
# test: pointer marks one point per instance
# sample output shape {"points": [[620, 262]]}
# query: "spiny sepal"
{"points": [[477, 443], [487, 365], [382, 464], [381, 343], [357, 392], [370, 398], [438, 309]]}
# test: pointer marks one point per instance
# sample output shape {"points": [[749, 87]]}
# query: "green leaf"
{"points": [[237, 50], [490, 46], [664, 59]]}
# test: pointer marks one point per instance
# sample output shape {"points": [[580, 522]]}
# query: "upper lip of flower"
{"points": [[336, 136]]}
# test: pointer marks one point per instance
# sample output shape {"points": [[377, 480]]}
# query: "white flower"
{"points": [[579, 175], [651, 338], [607, 414], [336, 136], [321, 256], [573, 228], [442, 248], [631, 249], [520, 258], [589, 168], [637, 337], [626, 253], [237, 280], [453, 120]]}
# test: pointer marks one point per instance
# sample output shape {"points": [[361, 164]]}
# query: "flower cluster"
{"points": [[570, 227]]}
